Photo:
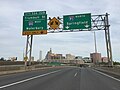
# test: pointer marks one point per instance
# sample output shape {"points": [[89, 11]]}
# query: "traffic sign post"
{"points": [[34, 23], [78, 21]]}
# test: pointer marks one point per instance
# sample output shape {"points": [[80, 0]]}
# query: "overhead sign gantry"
{"points": [[35, 23]]}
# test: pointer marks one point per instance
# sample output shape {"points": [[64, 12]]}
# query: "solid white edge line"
{"points": [[25, 80], [107, 75]]}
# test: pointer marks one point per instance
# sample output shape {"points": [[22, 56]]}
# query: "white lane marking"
{"points": [[75, 75], [18, 82], [107, 75]]}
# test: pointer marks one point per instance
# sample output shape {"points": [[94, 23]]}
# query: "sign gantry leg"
{"points": [[28, 50]]}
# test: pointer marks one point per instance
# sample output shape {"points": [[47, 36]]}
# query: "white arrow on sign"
{"points": [[66, 27], [86, 26]]}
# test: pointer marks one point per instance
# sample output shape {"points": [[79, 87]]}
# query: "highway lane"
{"points": [[6, 79], [69, 78], [95, 80]]}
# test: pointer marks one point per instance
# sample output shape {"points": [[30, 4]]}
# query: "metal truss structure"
{"points": [[99, 22], [28, 51]]}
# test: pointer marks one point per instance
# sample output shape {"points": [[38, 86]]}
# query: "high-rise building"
{"points": [[70, 57], [40, 55], [52, 56], [48, 55], [87, 59], [96, 57]]}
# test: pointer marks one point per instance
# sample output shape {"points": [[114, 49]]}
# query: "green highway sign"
{"points": [[78, 21], [34, 24]]}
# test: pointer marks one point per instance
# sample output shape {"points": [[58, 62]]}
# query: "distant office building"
{"points": [[87, 59], [96, 57], [78, 58], [56, 56], [48, 55], [40, 55], [59, 56], [70, 57], [104, 59], [52, 56], [12, 58]]}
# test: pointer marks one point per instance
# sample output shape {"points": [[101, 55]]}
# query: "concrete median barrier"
{"points": [[16, 69]]}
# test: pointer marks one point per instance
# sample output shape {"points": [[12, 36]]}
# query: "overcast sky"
{"points": [[12, 43]]}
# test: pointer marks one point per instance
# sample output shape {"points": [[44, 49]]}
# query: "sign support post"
{"points": [[28, 50], [34, 23], [108, 42]]}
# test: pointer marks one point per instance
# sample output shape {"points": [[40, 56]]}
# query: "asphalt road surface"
{"points": [[68, 78]]}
